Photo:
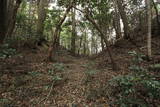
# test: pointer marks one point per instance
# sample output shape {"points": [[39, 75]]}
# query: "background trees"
{"points": [[84, 42], [36, 21]]}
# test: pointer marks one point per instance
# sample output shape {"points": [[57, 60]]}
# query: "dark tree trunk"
{"points": [[84, 43], [102, 44], [8, 12], [2, 20], [12, 20], [156, 9]]}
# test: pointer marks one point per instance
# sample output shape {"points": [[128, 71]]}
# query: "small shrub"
{"points": [[33, 73], [137, 69], [5, 102], [59, 67], [90, 75], [51, 72], [6, 51], [91, 72], [137, 57], [155, 67], [136, 61], [56, 78], [89, 65]]}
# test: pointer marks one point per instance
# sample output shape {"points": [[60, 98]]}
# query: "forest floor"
{"points": [[27, 80]]}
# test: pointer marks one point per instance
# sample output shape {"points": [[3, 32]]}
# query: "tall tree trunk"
{"points": [[73, 38], [124, 18], [84, 43], [12, 19], [2, 21], [102, 44], [42, 4], [58, 39], [116, 22], [8, 12], [93, 44], [80, 45], [149, 52]]}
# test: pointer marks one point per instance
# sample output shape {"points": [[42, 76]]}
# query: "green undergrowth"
{"points": [[58, 67], [154, 67], [33, 84], [90, 72], [140, 88], [6, 51], [92, 92]]}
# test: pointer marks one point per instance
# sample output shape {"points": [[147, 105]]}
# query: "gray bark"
{"points": [[73, 38], [123, 17], [148, 4]]}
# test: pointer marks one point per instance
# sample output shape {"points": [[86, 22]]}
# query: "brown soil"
{"points": [[25, 80]]}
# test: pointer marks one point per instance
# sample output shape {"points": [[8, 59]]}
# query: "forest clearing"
{"points": [[76, 53]]}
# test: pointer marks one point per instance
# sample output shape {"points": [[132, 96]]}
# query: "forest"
{"points": [[79, 53]]}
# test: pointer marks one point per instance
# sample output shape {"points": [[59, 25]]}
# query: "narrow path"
{"points": [[73, 92], [31, 77]]}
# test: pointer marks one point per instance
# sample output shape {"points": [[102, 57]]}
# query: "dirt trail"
{"points": [[26, 86], [73, 92]]}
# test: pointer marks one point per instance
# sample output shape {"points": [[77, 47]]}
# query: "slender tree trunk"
{"points": [[102, 44], [73, 38], [124, 18], [80, 45], [42, 4], [116, 23], [84, 43], [93, 44], [58, 40], [96, 45], [149, 52]]}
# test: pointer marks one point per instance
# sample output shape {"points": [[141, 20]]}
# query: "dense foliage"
{"points": [[79, 53]]}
